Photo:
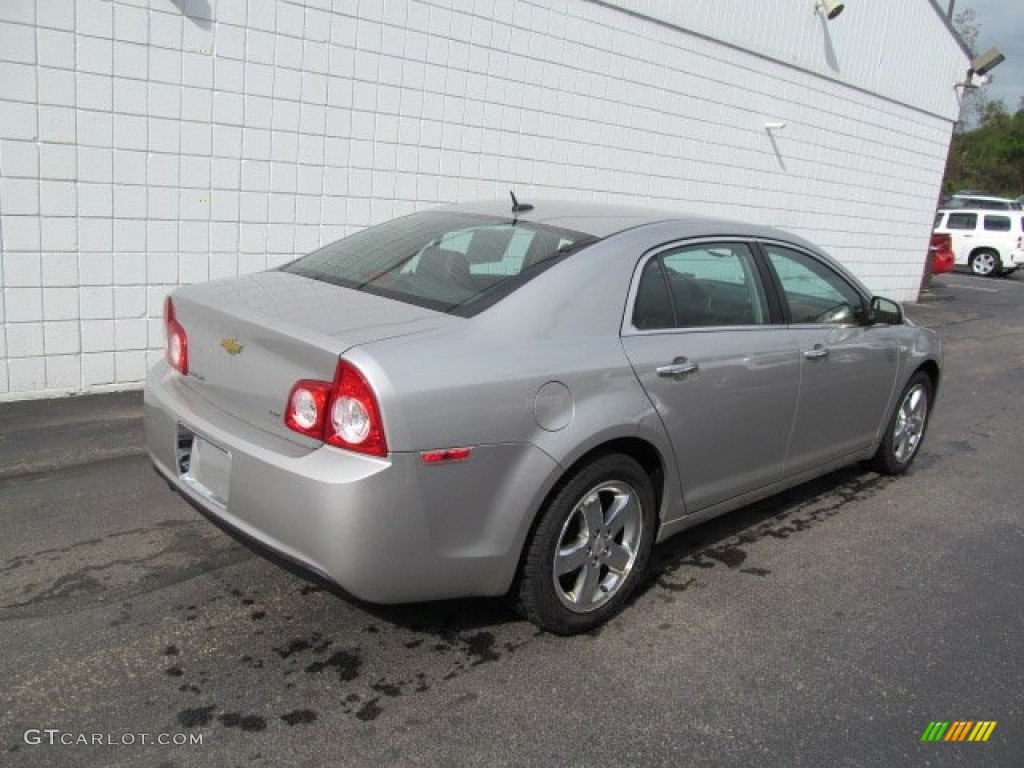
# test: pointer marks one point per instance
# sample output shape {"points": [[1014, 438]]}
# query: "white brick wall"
{"points": [[149, 143]]}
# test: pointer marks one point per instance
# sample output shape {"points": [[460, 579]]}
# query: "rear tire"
{"points": [[590, 549], [905, 432], [986, 263]]}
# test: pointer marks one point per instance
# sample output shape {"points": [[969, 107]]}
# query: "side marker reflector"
{"points": [[445, 454]]}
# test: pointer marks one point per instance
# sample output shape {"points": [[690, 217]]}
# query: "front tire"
{"points": [[986, 263], [591, 547], [906, 428]]}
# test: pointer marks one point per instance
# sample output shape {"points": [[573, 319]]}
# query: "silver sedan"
{"points": [[512, 399]]}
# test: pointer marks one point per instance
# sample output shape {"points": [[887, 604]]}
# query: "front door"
{"points": [[848, 367]]}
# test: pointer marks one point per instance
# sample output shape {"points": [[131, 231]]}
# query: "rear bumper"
{"points": [[385, 530]]}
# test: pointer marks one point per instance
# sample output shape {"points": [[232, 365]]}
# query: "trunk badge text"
{"points": [[231, 346]]}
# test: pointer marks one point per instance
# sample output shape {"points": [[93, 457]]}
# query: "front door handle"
{"points": [[679, 368], [818, 352]]}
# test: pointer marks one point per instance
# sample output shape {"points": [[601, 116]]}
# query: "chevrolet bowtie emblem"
{"points": [[231, 346]]}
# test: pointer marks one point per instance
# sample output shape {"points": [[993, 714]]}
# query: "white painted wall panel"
{"points": [[142, 147], [901, 50]]}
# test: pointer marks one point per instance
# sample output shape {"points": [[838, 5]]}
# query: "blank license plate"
{"points": [[209, 470]]}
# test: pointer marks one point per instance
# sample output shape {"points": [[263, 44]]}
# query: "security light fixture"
{"points": [[986, 62], [981, 65], [830, 8]]}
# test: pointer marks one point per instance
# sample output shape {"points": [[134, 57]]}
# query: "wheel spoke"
{"points": [[586, 584], [900, 430], [622, 511], [913, 401], [921, 412], [618, 558], [593, 515], [571, 558]]}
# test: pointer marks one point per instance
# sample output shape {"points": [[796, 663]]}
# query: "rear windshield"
{"points": [[454, 262]]}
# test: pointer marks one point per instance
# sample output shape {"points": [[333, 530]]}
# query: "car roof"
{"points": [[986, 211], [993, 198], [603, 220], [979, 202]]}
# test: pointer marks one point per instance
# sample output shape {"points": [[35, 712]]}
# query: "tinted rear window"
{"points": [[997, 223], [453, 262]]}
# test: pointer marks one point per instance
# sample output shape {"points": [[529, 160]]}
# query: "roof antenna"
{"points": [[518, 207]]}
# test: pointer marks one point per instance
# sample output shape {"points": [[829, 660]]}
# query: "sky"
{"points": [[1002, 25]]}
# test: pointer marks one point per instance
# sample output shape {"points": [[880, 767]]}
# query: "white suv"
{"points": [[989, 242]]}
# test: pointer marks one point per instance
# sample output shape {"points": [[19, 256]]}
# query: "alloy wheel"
{"points": [[910, 422], [598, 546], [983, 263]]}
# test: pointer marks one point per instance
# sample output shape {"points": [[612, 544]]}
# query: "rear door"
{"points": [[1000, 237], [962, 228], [848, 368], [699, 335]]}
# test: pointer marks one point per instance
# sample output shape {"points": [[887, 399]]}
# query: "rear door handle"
{"points": [[817, 353], [680, 367]]}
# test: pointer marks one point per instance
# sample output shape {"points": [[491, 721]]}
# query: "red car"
{"points": [[941, 251]]}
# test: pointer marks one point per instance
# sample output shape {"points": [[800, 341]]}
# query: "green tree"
{"points": [[1013, 148], [987, 151], [991, 156]]}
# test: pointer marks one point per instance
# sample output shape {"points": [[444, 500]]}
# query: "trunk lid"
{"points": [[251, 338]]}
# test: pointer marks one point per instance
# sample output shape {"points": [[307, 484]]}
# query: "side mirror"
{"points": [[886, 311]]}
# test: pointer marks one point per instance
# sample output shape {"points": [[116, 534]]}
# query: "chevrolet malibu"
{"points": [[500, 399]]}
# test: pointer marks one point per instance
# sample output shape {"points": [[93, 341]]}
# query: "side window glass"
{"points": [[714, 284], [962, 221], [814, 293], [997, 223], [653, 306]]}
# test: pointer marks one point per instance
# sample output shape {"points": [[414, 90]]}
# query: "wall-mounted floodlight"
{"points": [[981, 65], [774, 126], [830, 8], [986, 62]]}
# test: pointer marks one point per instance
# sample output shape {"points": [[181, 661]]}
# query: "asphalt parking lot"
{"points": [[825, 627]]}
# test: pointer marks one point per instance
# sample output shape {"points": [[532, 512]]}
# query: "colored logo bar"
{"points": [[959, 730]]}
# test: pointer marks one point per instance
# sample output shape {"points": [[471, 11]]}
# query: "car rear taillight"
{"points": [[177, 340], [307, 407], [943, 259], [343, 412]]}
